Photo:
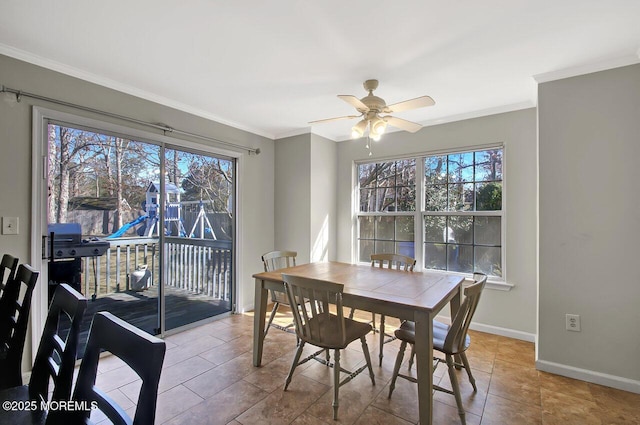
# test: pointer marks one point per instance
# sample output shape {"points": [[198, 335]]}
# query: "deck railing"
{"points": [[200, 266]]}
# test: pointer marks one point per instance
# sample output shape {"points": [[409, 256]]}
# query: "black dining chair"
{"points": [[15, 306], [54, 362], [143, 353]]}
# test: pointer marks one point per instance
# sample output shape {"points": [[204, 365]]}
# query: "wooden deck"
{"points": [[141, 309]]}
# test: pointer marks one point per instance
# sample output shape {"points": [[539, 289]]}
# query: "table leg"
{"points": [[424, 365], [260, 309]]}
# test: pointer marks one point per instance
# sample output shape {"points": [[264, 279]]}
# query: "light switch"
{"points": [[9, 225]]}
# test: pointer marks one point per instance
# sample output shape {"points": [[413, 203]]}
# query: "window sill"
{"points": [[499, 286], [492, 284]]}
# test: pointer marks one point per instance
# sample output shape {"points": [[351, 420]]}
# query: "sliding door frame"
{"points": [[39, 198]]}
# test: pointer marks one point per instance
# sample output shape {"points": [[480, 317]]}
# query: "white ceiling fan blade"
{"points": [[418, 102], [405, 125], [355, 102], [347, 117]]}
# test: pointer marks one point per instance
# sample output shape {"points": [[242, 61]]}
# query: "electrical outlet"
{"points": [[572, 322], [9, 225]]}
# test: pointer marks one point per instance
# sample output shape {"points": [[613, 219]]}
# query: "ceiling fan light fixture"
{"points": [[371, 106], [358, 130], [378, 126]]}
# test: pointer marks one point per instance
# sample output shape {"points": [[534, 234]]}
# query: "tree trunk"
{"points": [[119, 145], [52, 167], [63, 188]]}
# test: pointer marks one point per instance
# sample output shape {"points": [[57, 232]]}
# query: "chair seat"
{"points": [[407, 332], [330, 338], [18, 414]]}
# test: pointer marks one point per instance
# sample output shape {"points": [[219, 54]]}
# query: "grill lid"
{"points": [[66, 233]]}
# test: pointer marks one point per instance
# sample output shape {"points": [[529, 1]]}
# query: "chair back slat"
{"points": [[312, 316], [455, 340], [8, 267], [393, 261]]}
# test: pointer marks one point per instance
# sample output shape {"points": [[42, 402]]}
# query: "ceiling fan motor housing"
{"points": [[374, 103]]}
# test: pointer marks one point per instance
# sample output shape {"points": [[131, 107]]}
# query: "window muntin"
{"points": [[386, 234], [388, 186], [457, 237], [387, 200], [461, 210]]}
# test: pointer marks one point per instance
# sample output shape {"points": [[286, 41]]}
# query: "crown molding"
{"points": [[295, 132], [588, 68], [124, 88]]}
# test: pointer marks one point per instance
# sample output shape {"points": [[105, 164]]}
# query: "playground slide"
{"points": [[121, 231]]}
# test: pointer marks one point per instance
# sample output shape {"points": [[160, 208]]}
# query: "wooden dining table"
{"points": [[415, 296]]}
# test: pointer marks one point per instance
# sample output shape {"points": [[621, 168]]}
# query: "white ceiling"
{"points": [[270, 67]]}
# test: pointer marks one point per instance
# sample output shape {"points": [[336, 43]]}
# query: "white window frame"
{"points": [[420, 214]]}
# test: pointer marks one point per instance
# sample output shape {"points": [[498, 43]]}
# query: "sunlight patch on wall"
{"points": [[320, 249]]}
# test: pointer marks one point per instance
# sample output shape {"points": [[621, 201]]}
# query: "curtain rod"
{"points": [[165, 128]]}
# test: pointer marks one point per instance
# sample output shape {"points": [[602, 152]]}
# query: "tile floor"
{"points": [[208, 378]]}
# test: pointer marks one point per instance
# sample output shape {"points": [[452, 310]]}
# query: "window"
{"points": [[387, 205], [459, 206]]}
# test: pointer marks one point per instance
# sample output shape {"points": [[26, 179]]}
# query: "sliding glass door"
{"points": [[142, 229], [198, 243]]}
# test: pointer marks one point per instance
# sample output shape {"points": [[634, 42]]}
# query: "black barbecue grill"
{"points": [[67, 242], [66, 250]]}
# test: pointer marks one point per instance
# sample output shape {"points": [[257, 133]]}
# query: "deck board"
{"points": [[141, 309]]}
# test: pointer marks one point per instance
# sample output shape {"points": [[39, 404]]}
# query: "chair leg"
{"points": [[382, 335], [396, 368], [296, 359], [373, 318], [413, 354], [273, 314], [456, 388], [336, 383], [465, 362], [367, 357]]}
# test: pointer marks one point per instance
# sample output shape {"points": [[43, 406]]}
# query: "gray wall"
{"points": [[323, 209], [511, 313], [305, 207], [293, 196], [256, 175], [589, 143]]}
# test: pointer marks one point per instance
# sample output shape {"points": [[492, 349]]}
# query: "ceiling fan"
{"points": [[370, 107]]}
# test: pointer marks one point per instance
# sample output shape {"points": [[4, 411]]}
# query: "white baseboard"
{"points": [[496, 330], [509, 333], [247, 307], [612, 381]]}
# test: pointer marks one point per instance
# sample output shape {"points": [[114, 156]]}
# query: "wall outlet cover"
{"points": [[572, 322]]}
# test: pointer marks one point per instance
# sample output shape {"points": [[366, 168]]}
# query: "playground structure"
{"points": [[173, 221]]}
